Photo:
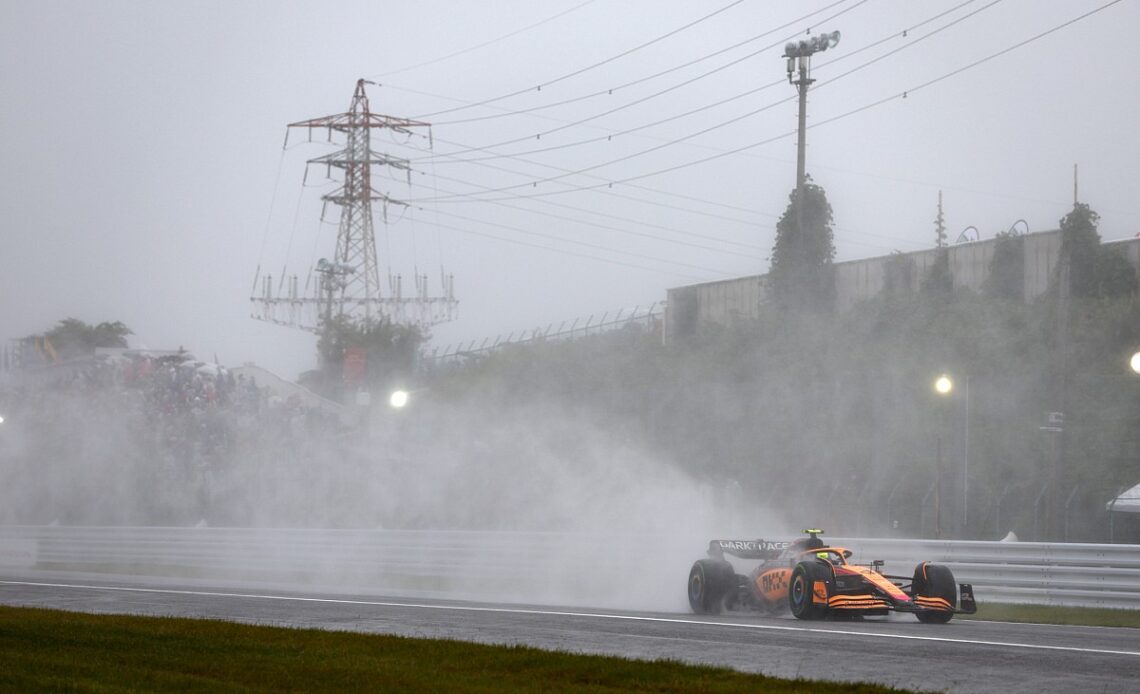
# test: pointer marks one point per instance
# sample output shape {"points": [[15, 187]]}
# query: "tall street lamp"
{"points": [[798, 54], [1134, 364], [943, 385]]}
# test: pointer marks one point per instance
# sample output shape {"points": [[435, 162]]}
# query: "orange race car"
{"points": [[815, 581]]}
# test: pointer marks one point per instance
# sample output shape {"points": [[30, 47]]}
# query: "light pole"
{"points": [[799, 55], [943, 385], [966, 462], [1134, 364]]}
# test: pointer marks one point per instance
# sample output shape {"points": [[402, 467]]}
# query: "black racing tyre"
{"points": [[803, 578], [935, 581], [710, 581]]}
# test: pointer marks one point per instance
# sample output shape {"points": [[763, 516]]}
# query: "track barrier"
{"points": [[536, 566]]}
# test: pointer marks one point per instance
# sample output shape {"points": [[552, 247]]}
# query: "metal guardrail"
{"points": [[540, 566], [1092, 575], [566, 330]]}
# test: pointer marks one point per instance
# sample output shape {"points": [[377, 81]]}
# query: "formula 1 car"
{"points": [[815, 582]]}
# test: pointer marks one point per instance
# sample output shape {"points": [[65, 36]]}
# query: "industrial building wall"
{"points": [[729, 302]]}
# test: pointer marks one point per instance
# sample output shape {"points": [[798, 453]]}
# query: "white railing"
{"points": [[538, 566], [1093, 575]]}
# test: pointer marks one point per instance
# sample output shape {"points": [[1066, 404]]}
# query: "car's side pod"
{"points": [[966, 603]]}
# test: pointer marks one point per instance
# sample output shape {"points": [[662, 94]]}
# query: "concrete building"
{"points": [[733, 301]]}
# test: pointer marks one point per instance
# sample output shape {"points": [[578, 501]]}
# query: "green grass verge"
{"points": [[1046, 614], [67, 651]]}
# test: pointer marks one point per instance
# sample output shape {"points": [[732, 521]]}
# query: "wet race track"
{"points": [[963, 656]]}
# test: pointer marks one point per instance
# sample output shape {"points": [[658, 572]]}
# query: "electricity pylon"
{"points": [[349, 285]]}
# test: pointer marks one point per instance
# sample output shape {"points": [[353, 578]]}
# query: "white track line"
{"points": [[558, 613]]}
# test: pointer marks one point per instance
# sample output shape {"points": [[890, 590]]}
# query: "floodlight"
{"points": [[833, 39], [944, 385], [398, 399], [790, 49], [804, 48]]}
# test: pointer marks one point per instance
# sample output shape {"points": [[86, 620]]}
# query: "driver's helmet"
{"points": [[828, 557]]}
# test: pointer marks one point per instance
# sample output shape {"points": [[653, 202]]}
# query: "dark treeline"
{"points": [[833, 419], [837, 421]]}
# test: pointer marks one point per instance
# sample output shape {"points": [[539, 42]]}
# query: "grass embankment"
{"points": [[50, 650], [1048, 614]]}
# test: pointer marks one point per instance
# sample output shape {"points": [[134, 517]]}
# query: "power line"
{"points": [[611, 193], [586, 244], [905, 46], [610, 90], [579, 71], [745, 115], [563, 251], [609, 136], [667, 90], [657, 226], [769, 140], [627, 231], [1012, 48]]}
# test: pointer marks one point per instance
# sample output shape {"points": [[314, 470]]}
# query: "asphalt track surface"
{"points": [[962, 656]]}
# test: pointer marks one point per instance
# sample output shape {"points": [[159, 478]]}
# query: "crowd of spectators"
{"points": [[173, 428]]}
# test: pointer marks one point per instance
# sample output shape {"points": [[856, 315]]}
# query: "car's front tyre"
{"points": [[935, 581], [801, 588]]}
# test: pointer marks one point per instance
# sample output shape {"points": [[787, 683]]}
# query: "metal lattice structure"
{"points": [[349, 285]]}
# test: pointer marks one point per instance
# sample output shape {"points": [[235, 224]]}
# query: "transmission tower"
{"points": [[349, 285]]}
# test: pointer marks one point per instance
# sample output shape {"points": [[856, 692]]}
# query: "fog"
{"points": [[88, 449], [145, 181]]}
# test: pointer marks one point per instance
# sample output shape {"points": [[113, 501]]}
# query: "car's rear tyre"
{"points": [[710, 581], [800, 589], [935, 581]]}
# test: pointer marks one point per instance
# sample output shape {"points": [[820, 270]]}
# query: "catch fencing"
{"points": [[650, 319], [537, 566]]}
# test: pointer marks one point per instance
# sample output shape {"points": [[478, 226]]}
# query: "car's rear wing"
{"points": [[748, 549]]}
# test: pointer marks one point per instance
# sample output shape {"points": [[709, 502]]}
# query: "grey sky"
{"points": [[142, 148]]}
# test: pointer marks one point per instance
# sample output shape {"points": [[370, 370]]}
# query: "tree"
{"points": [[1094, 270], [940, 225], [389, 350], [1080, 243], [801, 276], [1006, 278], [1115, 276], [939, 283], [72, 338], [898, 275]]}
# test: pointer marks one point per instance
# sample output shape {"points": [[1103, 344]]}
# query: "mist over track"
{"points": [[620, 569]]}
